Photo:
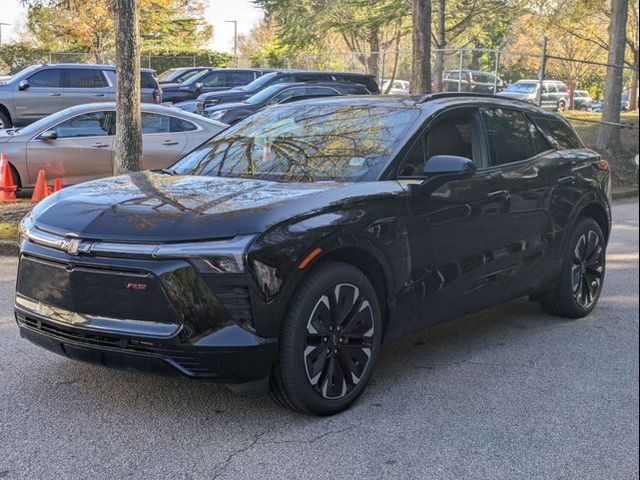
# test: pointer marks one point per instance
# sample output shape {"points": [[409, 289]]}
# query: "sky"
{"points": [[243, 11]]}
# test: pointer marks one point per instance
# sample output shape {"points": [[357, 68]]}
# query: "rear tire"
{"points": [[583, 272], [329, 343], [561, 107]]}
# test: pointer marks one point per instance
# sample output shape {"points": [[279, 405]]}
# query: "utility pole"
{"points": [[543, 70], [235, 38], [1, 24]]}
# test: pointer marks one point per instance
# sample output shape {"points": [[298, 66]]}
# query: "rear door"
{"points": [[84, 85], [43, 97], [215, 81], [520, 154], [163, 139], [83, 150]]}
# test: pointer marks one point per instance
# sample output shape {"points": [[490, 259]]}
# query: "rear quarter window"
{"points": [[147, 80], [558, 133]]}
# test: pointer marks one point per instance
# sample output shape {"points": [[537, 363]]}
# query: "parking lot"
{"points": [[506, 393]]}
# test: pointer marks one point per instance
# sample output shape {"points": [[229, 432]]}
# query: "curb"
{"points": [[9, 247], [624, 194]]}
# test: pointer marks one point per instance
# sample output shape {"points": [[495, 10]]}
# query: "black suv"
{"points": [[273, 78], [285, 250], [210, 80]]}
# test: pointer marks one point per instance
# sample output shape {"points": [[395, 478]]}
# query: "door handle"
{"points": [[499, 195], [169, 143], [570, 180], [98, 94], [55, 94], [100, 145]]}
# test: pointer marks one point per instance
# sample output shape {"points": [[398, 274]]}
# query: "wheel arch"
{"points": [[598, 213], [5, 111]]}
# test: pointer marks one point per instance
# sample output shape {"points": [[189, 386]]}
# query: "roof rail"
{"points": [[435, 96]]}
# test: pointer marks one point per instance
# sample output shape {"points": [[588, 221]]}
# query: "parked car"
{"points": [[77, 144], [624, 103], [555, 95], [179, 75], [475, 81], [283, 251], [582, 100], [232, 113], [398, 87], [41, 90], [215, 80], [295, 76]]}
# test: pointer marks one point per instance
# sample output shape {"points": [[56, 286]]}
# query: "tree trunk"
{"points": [[128, 151], [441, 42], [421, 73], [609, 135], [633, 91], [374, 52]]}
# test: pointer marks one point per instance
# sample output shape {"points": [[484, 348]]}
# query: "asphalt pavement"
{"points": [[507, 393]]}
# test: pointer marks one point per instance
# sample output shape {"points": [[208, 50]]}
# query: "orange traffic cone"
{"points": [[57, 185], [7, 187], [40, 192]]}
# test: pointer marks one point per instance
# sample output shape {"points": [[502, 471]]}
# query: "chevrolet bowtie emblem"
{"points": [[72, 247]]}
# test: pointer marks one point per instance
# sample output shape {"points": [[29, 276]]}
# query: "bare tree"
{"points": [[609, 135], [128, 151], [421, 74]]}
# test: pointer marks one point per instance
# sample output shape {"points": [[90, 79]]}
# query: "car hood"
{"points": [[152, 207], [516, 95], [229, 106]]}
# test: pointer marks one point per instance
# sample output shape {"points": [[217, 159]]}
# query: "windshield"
{"points": [[522, 88], [169, 75], [264, 95], [307, 143], [258, 83]]}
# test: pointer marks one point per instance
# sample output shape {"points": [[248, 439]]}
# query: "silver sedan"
{"points": [[77, 144]]}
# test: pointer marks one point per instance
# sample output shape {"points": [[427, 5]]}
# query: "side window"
{"points": [[562, 88], [457, 132], [558, 134], [313, 78], [241, 78], [319, 91], [51, 77], [100, 81], [287, 94], [94, 124], [509, 134], [180, 125], [81, 78], [147, 80], [453, 75], [154, 123], [216, 79]]}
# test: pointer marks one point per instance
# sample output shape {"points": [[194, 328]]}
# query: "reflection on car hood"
{"points": [[229, 106], [226, 94], [150, 207]]}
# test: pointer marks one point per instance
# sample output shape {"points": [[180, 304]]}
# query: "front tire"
{"points": [[583, 272], [5, 121], [329, 343]]}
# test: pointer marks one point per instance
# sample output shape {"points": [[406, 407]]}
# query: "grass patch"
{"points": [[9, 231]]}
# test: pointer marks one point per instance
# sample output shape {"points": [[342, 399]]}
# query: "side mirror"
{"points": [[48, 135], [441, 169], [199, 86], [23, 85]]}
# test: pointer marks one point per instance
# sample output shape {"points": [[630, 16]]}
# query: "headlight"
{"points": [[218, 114]]}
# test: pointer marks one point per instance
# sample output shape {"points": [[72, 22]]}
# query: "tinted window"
{"points": [[147, 80], [558, 133], [94, 124], [482, 77], [217, 79], [305, 143], [46, 78], [81, 78], [453, 75], [509, 134], [289, 93], [561, 88], [241, 78], [153, 123], [180, 125], [310, 77]]}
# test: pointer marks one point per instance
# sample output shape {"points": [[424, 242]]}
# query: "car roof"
{"points": [[534, 80], [89, 66], [321, 72], [145, 107]]}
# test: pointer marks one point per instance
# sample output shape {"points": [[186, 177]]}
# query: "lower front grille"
{"points": [[188, 362], [236, 301]]}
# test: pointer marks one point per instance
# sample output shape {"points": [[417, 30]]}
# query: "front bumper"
{"points": [[182, 323]]}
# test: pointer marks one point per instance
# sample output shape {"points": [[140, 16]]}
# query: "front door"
{"points": [[43, 96], [459, 233], [82, 151]]}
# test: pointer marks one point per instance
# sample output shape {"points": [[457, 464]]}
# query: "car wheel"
{"points": [[582, 276], [562, 106], [329, 342], [5, 121]]}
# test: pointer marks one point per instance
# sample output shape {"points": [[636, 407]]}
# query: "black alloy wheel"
{"points": [[329, 342]]}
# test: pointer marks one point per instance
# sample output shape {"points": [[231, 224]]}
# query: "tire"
{"points": [[561, 106], [318, 370], [5, 121], [583, 272], [16, 177]]}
